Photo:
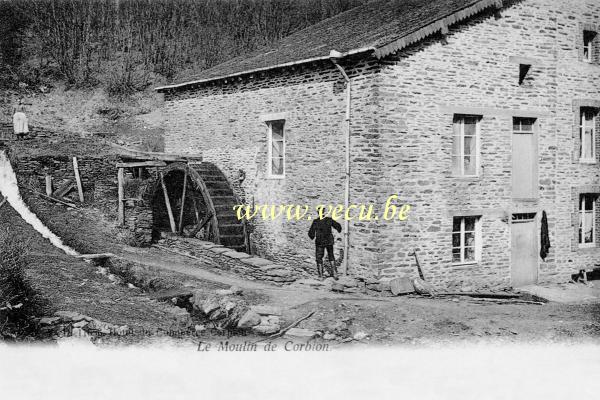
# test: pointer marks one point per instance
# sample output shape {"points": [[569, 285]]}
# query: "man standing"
{"points": [[320, 230]]}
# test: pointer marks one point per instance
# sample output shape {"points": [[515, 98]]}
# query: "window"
{"points": [[523, 125], [466, 240], [587, 217], [587, 134], [523, 70], [276, 149], [465, 146], [588, 45]]}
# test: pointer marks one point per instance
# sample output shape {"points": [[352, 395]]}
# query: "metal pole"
{"points": [[347, 169]]}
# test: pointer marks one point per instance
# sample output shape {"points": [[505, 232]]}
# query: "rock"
{"points": [[249, 319], [122, 330], [400, 286], [228, 306], [422, 287], [79, 333], [71, 316], [209, 305], [236, 290], [337, 287], [99, 326], [279, 273], [347, 281], [329, 336], [266, 329], [270, 320], [216, 314], [49, 320], [300, 333], [266, 310], [360, 336], [256, 261], [181, 316], [310, 282], [80, 324], [384, 283], [236, 254], [338, 326]]}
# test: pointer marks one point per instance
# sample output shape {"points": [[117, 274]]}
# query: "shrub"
{"points": [[18, 302]]}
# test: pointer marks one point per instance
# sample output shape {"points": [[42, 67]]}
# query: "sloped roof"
{"points": [[380, 26]]}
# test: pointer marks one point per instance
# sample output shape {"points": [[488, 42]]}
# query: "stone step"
{"points": [[220, 192], [216, 185], [234, 229], [228, 218], [232, 240], [221, 200]]}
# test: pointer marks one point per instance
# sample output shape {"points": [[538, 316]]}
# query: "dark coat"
{"points": [[544, 237], [321, 230]]}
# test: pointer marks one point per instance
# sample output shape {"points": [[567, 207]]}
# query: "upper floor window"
{"points": [[465, 145], [587, 220], [276, 149], [587, 134], [588, 45], [466, 239]]}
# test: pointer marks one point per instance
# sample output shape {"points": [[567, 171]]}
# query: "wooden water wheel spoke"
{"points": [[219, 221]]}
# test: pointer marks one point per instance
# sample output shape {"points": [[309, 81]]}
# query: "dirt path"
{"points": [[284, 296]]}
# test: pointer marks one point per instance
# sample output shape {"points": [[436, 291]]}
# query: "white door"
{"points": [[524, 250]]}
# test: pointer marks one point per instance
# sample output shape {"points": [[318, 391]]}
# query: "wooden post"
{"points": [[120, 177], [49, 185], [168, 203], [78, 179], [182, 201]]}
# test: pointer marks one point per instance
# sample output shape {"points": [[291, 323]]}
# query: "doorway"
{"points": [[524, 250]]}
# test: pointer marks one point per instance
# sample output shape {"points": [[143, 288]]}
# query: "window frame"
{"points": [[582, 126], [460, 171], [589, 46], [270, 173], [477, 246], [582, 226]]}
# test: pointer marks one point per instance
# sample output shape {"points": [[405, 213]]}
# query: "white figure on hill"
{"points": [[21, 128]]}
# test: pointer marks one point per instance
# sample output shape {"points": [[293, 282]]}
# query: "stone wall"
{"points": [[98, 176], [225, 124], [472, 73], [402, 113]]}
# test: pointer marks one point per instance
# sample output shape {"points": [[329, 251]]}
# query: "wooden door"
{"points": [[524, 250]]}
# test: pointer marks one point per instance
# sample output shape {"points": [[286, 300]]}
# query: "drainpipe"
{"points": [[334, 56]]}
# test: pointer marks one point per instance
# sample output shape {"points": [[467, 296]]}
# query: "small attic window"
{"points": [[523, 70], [588, 45]]}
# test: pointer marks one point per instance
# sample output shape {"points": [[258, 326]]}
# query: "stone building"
{"points": [[479, 114]]}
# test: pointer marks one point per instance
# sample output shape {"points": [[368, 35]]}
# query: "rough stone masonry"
{"points": [[403, 107]]}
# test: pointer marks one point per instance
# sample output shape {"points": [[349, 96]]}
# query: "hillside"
{"points": [[93, 77]]}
